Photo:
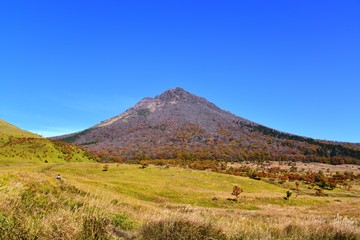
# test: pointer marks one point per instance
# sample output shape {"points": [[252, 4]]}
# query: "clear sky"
{"points": [[290, 65]]}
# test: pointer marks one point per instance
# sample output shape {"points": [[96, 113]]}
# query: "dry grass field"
{"points": [[314, 167], [129, 202]]}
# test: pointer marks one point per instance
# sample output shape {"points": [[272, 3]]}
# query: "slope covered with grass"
{"points": [[8, 130], [19, 146]]}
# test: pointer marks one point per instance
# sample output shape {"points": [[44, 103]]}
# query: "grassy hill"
{"points": [[19, 146], [128, 202], [7, 130]]}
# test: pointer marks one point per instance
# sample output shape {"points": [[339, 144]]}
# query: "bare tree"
{"points": [[236, 191]]}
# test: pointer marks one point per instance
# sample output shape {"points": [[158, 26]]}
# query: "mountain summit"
{"points": [[176, 95], [178, 124], [174, 108]]}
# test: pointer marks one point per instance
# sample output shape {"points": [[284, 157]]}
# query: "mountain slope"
{"points": [[178, 124], [19, 146]]}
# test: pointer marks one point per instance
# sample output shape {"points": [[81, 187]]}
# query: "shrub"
{"points": [[144, 166], [123, 222], [94, 228], [180, 229], [312, 232], [288, 195], [319, 192], [13, 228]]}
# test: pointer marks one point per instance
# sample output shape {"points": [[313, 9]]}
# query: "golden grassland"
{"points": [[128, 202]]}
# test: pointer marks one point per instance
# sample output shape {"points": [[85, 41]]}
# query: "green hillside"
{"points": [[8, 130], [19, 146]]}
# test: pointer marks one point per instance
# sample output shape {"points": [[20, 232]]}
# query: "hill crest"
{"points": [[19, 146], [7, 129]]}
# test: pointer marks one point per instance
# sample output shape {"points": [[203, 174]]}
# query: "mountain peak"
{"points": [[175, 94], [178, 95], [173, 99]]}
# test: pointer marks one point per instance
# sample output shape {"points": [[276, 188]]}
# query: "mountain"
{"points": [[180, 125], [19, 146]]}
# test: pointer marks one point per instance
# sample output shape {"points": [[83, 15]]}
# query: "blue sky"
{"points": [[290, 65]]}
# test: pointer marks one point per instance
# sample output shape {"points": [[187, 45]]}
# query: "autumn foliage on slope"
{"points": [[180, 125]]}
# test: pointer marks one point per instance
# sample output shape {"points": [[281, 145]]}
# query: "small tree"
{"points": [[106, 168], [297, 183], [236, 191]]}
